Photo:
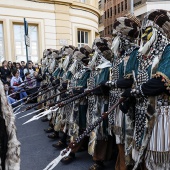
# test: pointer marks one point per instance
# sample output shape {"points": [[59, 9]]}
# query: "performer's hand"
{"points": [[124, 107], [78, 91], [64, 85], [127, 93], [108, 83]]}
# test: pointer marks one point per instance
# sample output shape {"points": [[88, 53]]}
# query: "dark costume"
{"points": [[151, 134], [121, 77]]}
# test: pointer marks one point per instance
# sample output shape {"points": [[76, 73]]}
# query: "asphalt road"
{"points": [[37, 151]]}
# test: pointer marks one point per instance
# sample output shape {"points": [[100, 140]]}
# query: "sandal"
{"points": [[68, 159], [59, 144], [53, 136], [97, 166], [49, 130]]}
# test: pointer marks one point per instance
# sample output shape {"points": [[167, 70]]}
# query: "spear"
{"points": [[23, 89], [89, 129], [39, 110], [29, 97], [43, 101], [51, 104], [65, 102], [25, 83]]}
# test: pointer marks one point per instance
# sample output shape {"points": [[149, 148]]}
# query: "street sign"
{"points": [[27, 40], [63, 42]]}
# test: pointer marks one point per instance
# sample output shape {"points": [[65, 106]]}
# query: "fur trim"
{"points": [[13, 154]]}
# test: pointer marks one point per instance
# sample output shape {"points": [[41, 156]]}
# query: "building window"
{"points": [[83, 38], [122, 6], [1, 43], [115, 10], [83, 1], [125, 4], [111, 29], [111, 12], [108, 13], [20, 51], [100, 19], [118, 8], [105, 14]]}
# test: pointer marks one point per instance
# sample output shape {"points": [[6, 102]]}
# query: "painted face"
{"points": [[146, 35]]}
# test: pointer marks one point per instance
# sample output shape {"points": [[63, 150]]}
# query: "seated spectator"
{"points": [[16, 83], [11, 99], [4, 71], [8, 80]]}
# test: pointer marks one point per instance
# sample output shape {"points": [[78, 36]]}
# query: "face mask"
{"points": [[149, 36], [93, 61]]}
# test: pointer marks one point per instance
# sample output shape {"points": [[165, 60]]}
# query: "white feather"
{"points": [[155, 62], [115, 45]]}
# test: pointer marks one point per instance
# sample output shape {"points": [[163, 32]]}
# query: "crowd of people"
{"points": [[20, 79]]}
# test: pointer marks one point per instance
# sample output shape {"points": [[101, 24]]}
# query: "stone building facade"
{"points": [[111, 9], [52, 24]]}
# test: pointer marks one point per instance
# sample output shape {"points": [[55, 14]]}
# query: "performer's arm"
{"points": [[154, 87]]}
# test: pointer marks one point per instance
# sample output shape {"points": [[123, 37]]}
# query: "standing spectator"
{"points": [[16, 83], [31, 69], [14, 65], [39, 67], [4, 71], [23, 64], [36, 67], [31, 83], [22, 70], [18, 68], [38, 78], [10, 66]]}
